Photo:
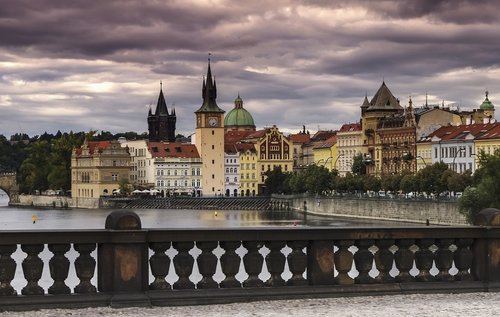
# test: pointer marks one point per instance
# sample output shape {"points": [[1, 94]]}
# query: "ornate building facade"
{"points": [[97, 167]]}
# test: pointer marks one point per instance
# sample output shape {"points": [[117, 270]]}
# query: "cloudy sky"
{"points": [[80, 65]]}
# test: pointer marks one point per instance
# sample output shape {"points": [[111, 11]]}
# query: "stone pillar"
{"points": [[123, 266], [486, 261]]}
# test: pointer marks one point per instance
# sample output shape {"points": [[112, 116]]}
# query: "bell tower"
{"points": [[210, 138]]}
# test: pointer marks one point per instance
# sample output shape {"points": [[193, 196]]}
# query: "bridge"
{"points": [[8, 184], [170, 267]]}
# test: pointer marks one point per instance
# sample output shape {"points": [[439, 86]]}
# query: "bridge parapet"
{"points": [[8, 183], [245, 264]]}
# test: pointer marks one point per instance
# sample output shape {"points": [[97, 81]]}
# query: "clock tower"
{"points": [[210, 138]]}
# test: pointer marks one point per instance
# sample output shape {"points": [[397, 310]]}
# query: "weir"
{"points": [[143, 267]]}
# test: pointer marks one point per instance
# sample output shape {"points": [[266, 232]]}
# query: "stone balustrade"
{"points": [[143, 267]]}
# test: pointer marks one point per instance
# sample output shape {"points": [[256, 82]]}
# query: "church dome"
{"points": [[238, 116], [487, 105]]}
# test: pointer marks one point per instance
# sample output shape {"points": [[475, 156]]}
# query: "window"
{"points": [[114, 177]]}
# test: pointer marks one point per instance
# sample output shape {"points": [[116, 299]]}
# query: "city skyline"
{"points": [[98, 65]]}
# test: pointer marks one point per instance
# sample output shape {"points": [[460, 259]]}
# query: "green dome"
{"points": [[487, 105], [238, 117]]}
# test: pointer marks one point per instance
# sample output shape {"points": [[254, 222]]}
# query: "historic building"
{"points": [[141, 164], [488, 142], [209, 139], [97, 167], [272, 150], [161, 123], [457, 146], [300, 141], [325, 153], [383, 104], [397, 150], [349, 144], [177, 168]]}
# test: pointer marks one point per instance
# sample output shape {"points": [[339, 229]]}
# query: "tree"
{"points": [[35, 167], [318, 179], [125, 186], [408, 183], [430, 178], [276, 181], [358, 165], [485, 193]]}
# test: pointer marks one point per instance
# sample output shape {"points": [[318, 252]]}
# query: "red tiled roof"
{"points": [[350, 127], [231, 137], [185, 150], [93, 146], [323, 135], [493, 133], [328, 143], [300, 138], [461, 131]]}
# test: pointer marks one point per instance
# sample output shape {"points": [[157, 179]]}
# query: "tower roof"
{"points": [[238, 116], [384, 100], [487, 105], [209, 93], [161, 105]]}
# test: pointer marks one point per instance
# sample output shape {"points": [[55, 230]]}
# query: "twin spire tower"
{"points": [[210, 138]]}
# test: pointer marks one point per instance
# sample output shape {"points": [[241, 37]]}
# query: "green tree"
{"points": [[277, 182], [408, 183], [125, 186], [486, 191], [35, 167], [431, 180], [59, 176], [318, 179], [358, 165]]}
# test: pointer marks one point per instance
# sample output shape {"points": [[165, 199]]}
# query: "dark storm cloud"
{"points": [[97, 64]]}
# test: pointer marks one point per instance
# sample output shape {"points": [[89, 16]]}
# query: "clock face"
{"points": [[213, 121]]}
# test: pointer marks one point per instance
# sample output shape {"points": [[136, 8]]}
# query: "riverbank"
{"points": [[436, 212], [429, 305], [408, 210]]}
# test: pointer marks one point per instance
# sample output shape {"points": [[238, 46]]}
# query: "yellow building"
{"points": [[488, 143], [326, 153], [97, 167], [424, 153], [272, 150], [249, 171], [210, 139]]}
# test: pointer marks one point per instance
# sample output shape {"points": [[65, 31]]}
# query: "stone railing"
{"points": [[124, 265]]}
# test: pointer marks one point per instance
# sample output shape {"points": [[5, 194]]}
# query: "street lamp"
{"points": [[335, 163], [326, 161], [423, 160], [456, 154]]}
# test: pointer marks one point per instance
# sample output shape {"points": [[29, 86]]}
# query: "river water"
{"points": [[20, 218]]}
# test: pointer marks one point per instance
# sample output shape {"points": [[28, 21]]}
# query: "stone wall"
{"points": [[55, 202], [437, 212], [43, 201]]}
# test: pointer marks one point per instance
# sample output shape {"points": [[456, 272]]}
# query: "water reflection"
{"points": [[14, 218]]}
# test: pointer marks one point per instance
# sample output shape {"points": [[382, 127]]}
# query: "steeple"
{"points": [[161, 105], [161, 124], [209, 93]]}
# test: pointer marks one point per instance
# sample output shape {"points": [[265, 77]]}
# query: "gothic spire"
{"points": [[209, 93]]}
